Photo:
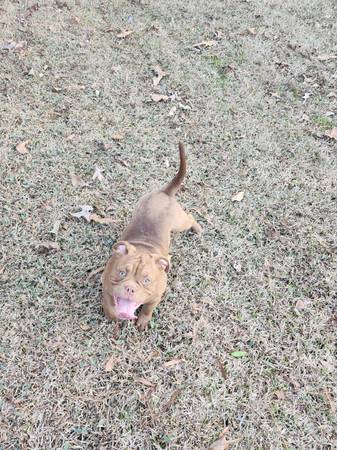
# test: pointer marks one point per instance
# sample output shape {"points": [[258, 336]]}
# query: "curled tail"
{"points": [[172, 188]]}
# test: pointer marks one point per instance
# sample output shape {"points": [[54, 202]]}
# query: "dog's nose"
{"points": [[129, 290]]}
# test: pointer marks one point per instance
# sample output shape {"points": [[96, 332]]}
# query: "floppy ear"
{"points": [[163, 262], [123, 248]]}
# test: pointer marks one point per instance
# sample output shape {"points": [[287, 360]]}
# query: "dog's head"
{"points": [[133, 278]]}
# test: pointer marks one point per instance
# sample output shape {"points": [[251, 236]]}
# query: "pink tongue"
{"points": [[126, 309]]}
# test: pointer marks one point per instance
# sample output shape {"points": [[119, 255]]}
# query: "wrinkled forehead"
{"points": [[138, 262]]}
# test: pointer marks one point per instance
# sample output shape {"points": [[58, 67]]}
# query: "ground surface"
{"points": [[252, 107]]}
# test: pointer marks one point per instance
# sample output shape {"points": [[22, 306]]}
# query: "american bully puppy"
{"points": [[136, 273]]}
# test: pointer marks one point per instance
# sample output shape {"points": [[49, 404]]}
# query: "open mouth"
{"points": [[125, 308]]}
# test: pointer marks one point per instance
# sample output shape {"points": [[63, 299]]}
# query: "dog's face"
{"points": [[133, 278]]}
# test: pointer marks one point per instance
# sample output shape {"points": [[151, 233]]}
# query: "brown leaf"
{"points": [[124, 33], [330, 400], [102, 220], [22, 147], [117, 137], [98, 174], [95, 272], [61, 282], [110, 363], [76, 180], [172, 362], [159, 98], [280, 395], [159, 75], [109, 29], [332, 134], [144, 381], [2, 269], [85, 212], [222, 443], [238, 197], [251, 31], [205, 44], [172, 400], [223, 370], [300, 304], [326, 57], [48, 245]]}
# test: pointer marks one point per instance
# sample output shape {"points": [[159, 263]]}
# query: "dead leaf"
{"points": [[172, 111], [237, 266], [159, 98], [172, 400], [300, 304], [102, 220], [46, 246], [95, 272], [109, 30], [330, 400], [2, 269], [117, 137], [280, 395], [251, 31], [238, 197], [144, 381], [85, 212], [332, 134], [222, 443], [85, 327], [124, 33], [159, 75], [121, 161], [22, 147], [61, 282], [110, 363], [173, 362], [76, 180], [205, 44], [98, 174], [326, 57], [56, 227], [223, 370]]}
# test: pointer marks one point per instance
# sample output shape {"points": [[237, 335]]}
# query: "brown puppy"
{"points": [[135, 274]]}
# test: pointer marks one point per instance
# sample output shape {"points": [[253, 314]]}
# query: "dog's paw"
{"points": [[196, 228], [142, 323]]}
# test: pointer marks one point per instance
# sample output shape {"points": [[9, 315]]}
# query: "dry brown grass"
{"points": [[67, 90]]}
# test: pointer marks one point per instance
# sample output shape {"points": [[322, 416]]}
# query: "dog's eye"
{"points": [[146, 280], [122, 273]]}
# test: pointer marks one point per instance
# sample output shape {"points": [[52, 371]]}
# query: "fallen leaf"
{"points": [[239, 354], [56, 227], [237, 266], [121, 161], [330, 400], [2, 269], [205, 44], [332, 134], [85, 212], [147, 394], [173, 362], [45, 246], [172, 111], [238, 197], [144, 381], [159, 75], [61, 282], [280, 395], [326, 57], [125, 33], [109, 30], [172, 400], [95, 272], [159, 98], [98, 174], [102, 220], [117, 137], [110, 363], [22, 147], [222, 443], [252, 31], [300, 304], [223, 370], [76, 180]]}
